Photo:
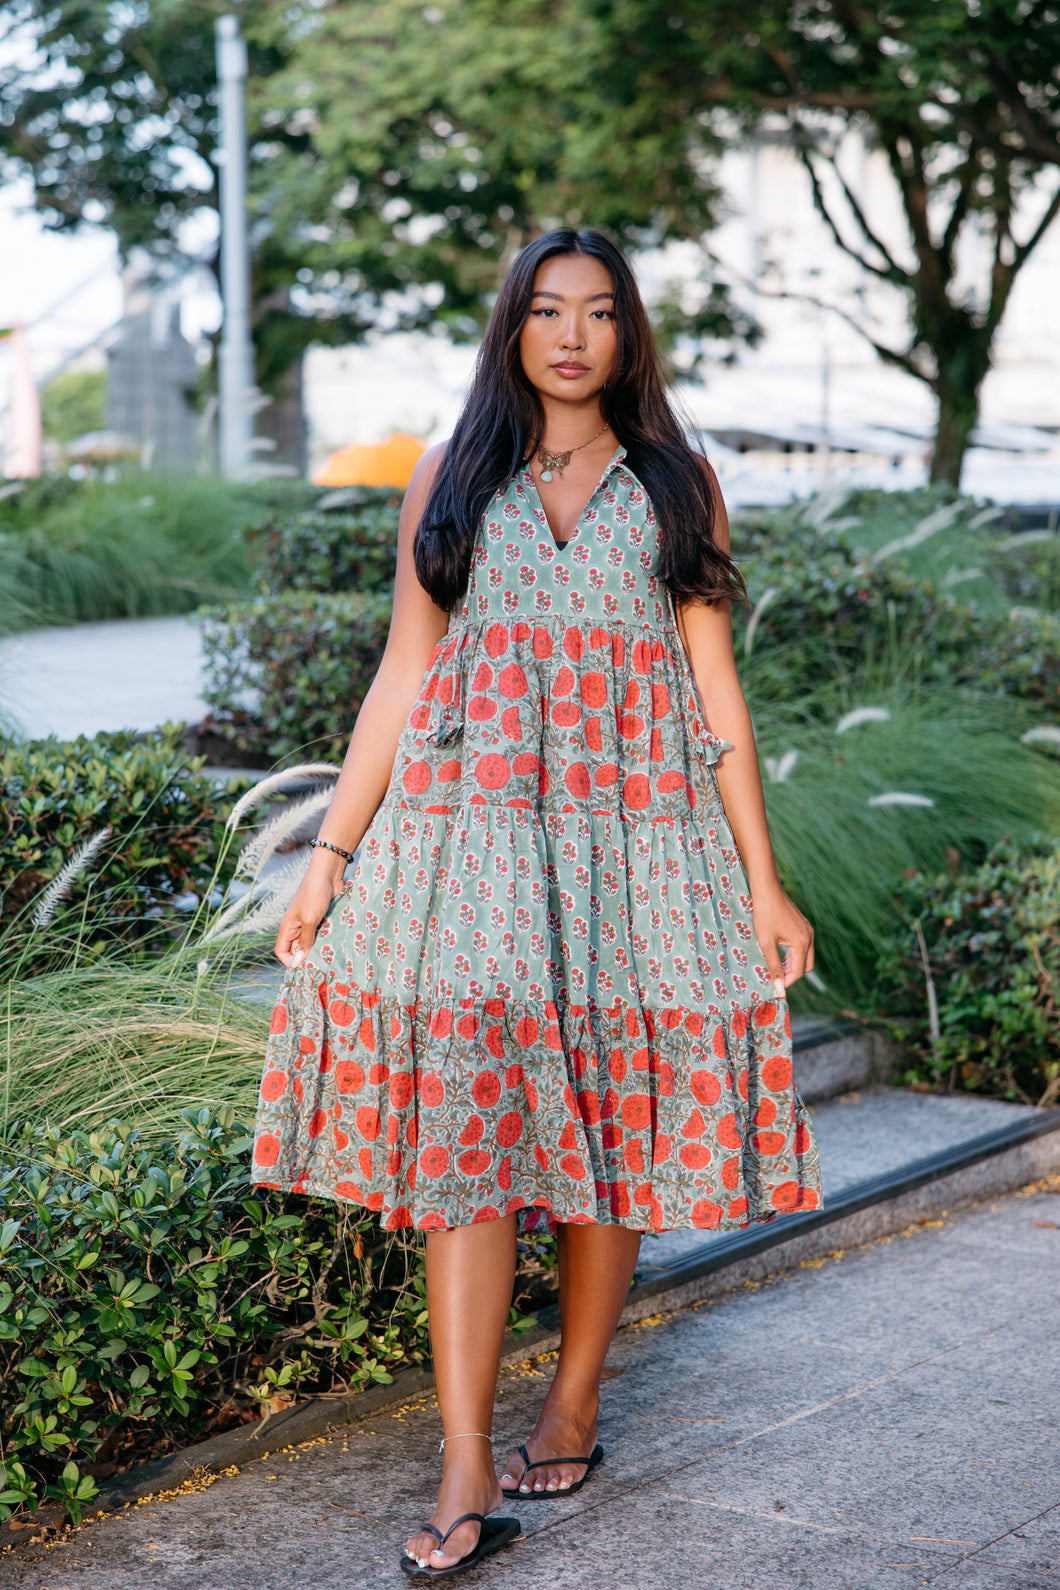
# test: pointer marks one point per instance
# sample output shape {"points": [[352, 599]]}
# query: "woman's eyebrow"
{"points": [[591, 299]]}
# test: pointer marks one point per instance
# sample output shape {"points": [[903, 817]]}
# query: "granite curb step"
{"points": [[997, 1162]]}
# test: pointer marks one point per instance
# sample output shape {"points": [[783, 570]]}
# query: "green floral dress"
{"points": [[540, 991]]}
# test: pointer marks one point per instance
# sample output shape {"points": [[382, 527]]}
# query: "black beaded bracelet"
{"points": [[325, 844]]}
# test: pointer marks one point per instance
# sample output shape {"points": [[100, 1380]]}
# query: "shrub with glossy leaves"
{"points": [[991, 950], [143, 1291], [165, 816], [287, 674], [354, 549]]}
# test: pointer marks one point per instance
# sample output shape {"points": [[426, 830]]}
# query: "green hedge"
{"points": [[288, 674], [992, 941], [145, 1291], [830, 609], [350, 550], [289, 669], [166, 820]]}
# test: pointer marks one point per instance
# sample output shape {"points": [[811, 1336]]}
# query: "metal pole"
{"points": [[236, 374]]}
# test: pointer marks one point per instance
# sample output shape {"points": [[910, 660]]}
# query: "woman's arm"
{"points": [[707, 636], [416, 626]]}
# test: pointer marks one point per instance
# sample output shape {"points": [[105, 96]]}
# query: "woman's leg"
{"points": [[470, 1275], [596, 1266]]}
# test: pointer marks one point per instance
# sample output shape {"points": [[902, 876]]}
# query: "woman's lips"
{"points": [[571, 370]]}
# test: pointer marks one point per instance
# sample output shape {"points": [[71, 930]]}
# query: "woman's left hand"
{"points": [[780, 925]]}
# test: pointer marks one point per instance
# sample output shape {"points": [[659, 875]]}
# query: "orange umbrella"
{"points": [[389, 463]]}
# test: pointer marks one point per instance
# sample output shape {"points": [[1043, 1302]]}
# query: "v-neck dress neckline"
{"points": [[616, 458]]}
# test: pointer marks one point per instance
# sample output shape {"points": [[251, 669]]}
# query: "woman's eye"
{"points": [[542, 311]]}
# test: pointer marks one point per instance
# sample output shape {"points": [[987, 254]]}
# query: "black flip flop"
{"points": [[495, 1533], [591, 1463]]}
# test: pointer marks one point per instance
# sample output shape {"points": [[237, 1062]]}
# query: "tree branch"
{"points": [[959, 213], [891, 271], [1039, 138], [723, 92], [903, 360], [1003, 277], [862, 220], [933, 274]]}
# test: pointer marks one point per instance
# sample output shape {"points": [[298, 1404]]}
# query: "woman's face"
{"points": [[567, 345]]}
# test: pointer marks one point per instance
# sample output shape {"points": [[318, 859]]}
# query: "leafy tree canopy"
{"points": [[963, 98], [400, 153]]}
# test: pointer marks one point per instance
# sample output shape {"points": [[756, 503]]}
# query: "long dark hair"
{"points": [[502, 422]]}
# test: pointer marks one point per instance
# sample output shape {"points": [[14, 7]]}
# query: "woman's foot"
{"points": [[469, 1485], [559, 1432]]}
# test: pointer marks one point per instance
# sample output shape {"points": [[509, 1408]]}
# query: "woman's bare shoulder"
{"points": [[422, 479]]}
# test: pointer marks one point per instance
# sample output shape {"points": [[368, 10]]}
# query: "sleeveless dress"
{"points": [[540, 991]]}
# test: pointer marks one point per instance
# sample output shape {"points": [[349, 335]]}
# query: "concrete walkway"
{"points": [[84, 678], [882, 1420]]}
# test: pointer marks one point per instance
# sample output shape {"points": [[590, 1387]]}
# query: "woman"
{"points": [[552, 992]]}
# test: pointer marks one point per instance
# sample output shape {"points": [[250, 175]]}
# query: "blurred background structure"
{"points": [[849, 237]]}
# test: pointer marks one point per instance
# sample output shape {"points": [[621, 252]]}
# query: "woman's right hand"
{"points": [[321, 885]]}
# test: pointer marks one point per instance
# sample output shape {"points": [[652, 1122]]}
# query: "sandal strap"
{"points": [[543, 1463], [429, 1529], [465, 1518]]}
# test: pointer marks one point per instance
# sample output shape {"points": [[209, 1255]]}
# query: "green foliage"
{"points": [[142, 544], [398, 153], [140, 1041], [835, 605], [145, 1289], [953, 752], [351, 550], [74, 403], [401, 152], [991, 939], [982, 556], [289, 669], [166, 822], [289, 672]]}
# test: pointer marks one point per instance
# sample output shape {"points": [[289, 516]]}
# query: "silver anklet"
{"points": [[465, 1436]]}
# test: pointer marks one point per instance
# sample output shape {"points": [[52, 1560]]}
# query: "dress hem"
{"points": [[535, 1216]]}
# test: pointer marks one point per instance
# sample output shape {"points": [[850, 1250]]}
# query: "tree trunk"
{"points": [[961, 373], [952, 434]]}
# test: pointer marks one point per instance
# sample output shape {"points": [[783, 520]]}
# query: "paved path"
{"points": [[880, 1421], [83, 678]]}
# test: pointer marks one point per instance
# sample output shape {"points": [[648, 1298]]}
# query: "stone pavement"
{"points": [[882, 1420], [83, 678]]}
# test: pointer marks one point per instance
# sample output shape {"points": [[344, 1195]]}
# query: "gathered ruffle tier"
{"points": [[556, 714], [540, 990], [437, 1116]]}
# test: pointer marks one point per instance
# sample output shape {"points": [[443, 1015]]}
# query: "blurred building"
{"points": [[151, 377]]}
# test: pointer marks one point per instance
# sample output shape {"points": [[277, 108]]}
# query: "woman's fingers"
{"points": [[293, 941], [798, 959], [771, 951]]}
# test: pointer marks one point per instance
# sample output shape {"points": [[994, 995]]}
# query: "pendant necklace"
{"points": [[558, 461]]}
